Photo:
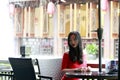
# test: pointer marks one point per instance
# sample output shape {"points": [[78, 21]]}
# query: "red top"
{"points": [[68, 64]]}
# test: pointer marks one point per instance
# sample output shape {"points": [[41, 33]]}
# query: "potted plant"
{"points": [[92, 50]]}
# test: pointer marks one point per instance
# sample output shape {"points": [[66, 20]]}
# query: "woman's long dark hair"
{"points": [[75, 54]]}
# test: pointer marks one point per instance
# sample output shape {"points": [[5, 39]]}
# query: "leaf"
{"points": [[92, 48]]}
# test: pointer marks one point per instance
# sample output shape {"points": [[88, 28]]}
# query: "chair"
{"points": [[23, 69], [36, 66], [37, 69], [51, 67]]}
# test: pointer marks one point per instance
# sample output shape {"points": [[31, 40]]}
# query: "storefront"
{"points": [[44, 33]]}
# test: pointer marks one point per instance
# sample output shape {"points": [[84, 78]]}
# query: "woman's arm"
{"points": [[82, 69], [66, 70], [64, 61]]}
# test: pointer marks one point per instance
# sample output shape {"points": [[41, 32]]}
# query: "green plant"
{"points": [[92, 48]]}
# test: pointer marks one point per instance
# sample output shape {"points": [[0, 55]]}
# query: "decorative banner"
{"points": [[38, 22], [114, 19], [93, 20], [61, 20], [18, 21], [31, 13]]}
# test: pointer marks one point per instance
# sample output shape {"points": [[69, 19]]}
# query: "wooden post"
{"points": [[119, 46]]}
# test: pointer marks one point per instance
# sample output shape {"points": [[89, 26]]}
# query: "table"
{"points": [[91, 75], [6, 74]]}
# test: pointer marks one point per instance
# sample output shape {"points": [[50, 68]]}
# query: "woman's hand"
{"points": [[84, 69]]}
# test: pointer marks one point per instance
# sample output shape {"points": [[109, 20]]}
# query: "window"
{"points": [[7, 43]]}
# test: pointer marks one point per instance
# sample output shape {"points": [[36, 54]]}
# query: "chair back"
{"points": [[38, 71], [36, 66], [23, 68]]}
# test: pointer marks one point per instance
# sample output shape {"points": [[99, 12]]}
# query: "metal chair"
{"points": [[37, 70], [23, 69]]}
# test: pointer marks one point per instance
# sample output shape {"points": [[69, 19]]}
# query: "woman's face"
{"points": [[73, 41]]}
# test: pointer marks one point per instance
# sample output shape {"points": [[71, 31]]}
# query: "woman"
{"points": [[74, 58]]}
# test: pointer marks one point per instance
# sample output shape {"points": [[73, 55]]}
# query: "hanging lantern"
{"points": [[104, 6], [11, 9], [50, 8]]}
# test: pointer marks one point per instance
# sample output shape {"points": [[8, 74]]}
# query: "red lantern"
{"points": [[11, 9], [104, 4], [51, 8]]}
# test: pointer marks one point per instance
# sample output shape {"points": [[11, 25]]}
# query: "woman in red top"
{"points": [[74, 58]]}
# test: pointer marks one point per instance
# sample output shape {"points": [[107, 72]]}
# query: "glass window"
{"points": [[7, 43]]}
